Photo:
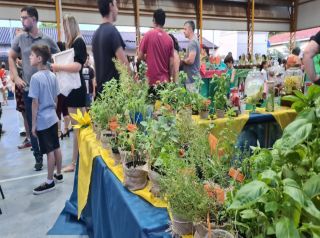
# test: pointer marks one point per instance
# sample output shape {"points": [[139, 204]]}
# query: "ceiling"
{"points": [[271, 15]]}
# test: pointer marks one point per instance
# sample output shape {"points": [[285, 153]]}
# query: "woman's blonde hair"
{"points": [[71, 29]]}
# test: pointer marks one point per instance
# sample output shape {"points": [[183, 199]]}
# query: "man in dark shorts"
{"points": [[107, 44], [21, 46]]}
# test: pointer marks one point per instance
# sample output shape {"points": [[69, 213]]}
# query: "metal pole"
{"points": [[293, 24], [58, 19], [137, 21], [200, 19], [252, 29]]}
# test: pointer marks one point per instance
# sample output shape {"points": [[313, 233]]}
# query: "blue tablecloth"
{"points": [[114, 212]]}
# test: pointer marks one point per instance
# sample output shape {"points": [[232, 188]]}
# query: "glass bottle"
{"points": [[270, 96]]}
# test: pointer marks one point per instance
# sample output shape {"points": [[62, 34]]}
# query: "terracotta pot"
{"points": [[204, 114], [220, 113], [236, 175], [181, 226]]}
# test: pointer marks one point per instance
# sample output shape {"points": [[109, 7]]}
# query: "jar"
{"points": [[254, 87], [293, 80], [270, 96]]}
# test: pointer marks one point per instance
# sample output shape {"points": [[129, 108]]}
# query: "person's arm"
{"points": [[94, 87], [310, 51], [12, 56], [35, 108], [70, 68], [233, 75], [121, 56], [191, 57]]}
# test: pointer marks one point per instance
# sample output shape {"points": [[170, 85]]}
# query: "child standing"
{"points": [[44, 91]]}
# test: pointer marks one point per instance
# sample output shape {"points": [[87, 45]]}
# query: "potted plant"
{"points": [[204, 108], [134, 163], [220, 99], [162, 147]]}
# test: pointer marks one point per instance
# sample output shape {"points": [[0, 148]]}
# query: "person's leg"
{"points": [[51, 164], [75, 151], [58, 159], [66, 124], [34, 140]]}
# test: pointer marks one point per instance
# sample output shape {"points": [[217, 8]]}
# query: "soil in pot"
{"points": [[135, 175]]}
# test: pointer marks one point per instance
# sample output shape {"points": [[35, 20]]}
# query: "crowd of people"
{"points": [[38, 97]]}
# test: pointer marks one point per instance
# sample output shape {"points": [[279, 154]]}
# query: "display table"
{"points": [[111, 210]]}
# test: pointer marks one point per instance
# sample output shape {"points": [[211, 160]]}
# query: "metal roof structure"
{"points": [[129, 38], [271, 15]]}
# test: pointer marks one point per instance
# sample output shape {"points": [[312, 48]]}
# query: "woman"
{"points": [[231, 72], [77, 97], [62, 107], [263, 70], [176, 58]]}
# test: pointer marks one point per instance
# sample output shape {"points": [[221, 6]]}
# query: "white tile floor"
{"points": [[24, 214]]}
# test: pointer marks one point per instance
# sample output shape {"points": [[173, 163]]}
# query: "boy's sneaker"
{"points": [[38, 166], [43, 188], [58, 178]]}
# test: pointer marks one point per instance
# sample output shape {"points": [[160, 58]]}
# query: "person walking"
{"points": [[107, 44]]}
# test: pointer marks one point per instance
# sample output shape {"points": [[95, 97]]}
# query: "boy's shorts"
{"points": [[48, 139]]}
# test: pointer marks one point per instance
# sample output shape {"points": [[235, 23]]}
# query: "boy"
{"points": [[89, 77], [44, 91]]}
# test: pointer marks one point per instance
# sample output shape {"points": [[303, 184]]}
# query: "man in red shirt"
{"points": [[156, 48]]}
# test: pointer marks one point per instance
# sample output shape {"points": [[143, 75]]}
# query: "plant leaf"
{"points": [[249, 194], [311, 210], [292, 189], [312, 186], [248, 214], [286, 229]]}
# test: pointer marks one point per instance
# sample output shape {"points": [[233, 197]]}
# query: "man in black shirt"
{"points": [[107, 44], [310, 51]]}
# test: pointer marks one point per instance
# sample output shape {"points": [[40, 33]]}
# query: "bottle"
{"points": [[270, 96]]}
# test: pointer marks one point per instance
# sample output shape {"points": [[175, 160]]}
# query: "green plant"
{"points": [[162, 142], [281, 198], [101, 110], [301, 101], [220, 91], [185, 194]]}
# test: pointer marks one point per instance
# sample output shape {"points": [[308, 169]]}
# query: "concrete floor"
{"points": [[24, 214]]}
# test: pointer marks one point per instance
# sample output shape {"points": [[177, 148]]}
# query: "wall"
{"points": [[308, 15]]}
